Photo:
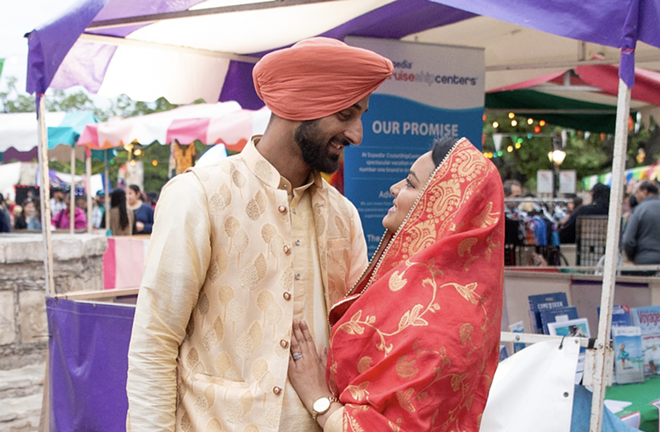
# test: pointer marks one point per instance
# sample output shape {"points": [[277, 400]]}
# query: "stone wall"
{"points": [[77, 265]]}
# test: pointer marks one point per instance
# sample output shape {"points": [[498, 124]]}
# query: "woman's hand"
{"points": [[307, 374]]}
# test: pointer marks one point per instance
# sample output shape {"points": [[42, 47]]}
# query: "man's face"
{"points": [[58, 195], [100, 199], [516, 191], [322, 141], [640, 194]]}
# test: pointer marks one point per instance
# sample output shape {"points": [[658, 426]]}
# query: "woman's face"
{"points": [[407, 190], [28, 208], [131, 197]]}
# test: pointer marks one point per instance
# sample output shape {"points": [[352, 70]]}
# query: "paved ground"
{"points": [[20, 398]]}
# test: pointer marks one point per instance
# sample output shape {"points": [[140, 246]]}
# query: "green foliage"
{"points": [[587, 154]]}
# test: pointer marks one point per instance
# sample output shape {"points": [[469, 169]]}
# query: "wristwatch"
{"points": [[322, 405]]}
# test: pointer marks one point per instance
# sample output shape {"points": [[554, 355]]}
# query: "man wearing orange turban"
{"points": [[242, 248]]}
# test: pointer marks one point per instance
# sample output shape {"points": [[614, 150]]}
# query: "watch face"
{"points": [[321, 405]]}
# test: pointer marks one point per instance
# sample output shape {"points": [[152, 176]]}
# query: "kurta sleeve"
{"points": [[175, 269], [359, 257]]}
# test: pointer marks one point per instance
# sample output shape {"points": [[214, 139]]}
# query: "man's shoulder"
{"points": [[218, 171]]}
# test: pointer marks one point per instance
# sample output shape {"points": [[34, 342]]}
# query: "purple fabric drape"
{"points": [[88, 364], [616, 23]]}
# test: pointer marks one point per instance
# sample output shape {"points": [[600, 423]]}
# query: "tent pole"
{"points": [[72, 192], [88, 186], [44, 197], [106, 190], [603, 350]]}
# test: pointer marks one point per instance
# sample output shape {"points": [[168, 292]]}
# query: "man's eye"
{"points": [[345, 115]]}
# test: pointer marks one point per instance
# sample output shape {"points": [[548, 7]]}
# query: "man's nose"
{"points": [[354, 132]]}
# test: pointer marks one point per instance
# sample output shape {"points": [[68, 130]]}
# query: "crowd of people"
{"points": [[132, 215], [533, 221]]}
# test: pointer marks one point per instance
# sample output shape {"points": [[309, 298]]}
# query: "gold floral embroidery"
{"points": [[397, 281], [486, 218], [359, 392], [422, 235], [363, 364], [406, 398], [406, 369], [465, 332], [466, 291]]}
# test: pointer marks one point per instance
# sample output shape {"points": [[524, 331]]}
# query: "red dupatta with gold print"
{"points": [[415, 348]]}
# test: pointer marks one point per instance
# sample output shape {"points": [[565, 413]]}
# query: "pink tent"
{"points": [[223, 122]]}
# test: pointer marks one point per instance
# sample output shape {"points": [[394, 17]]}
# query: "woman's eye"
{"points": [[409, 183]]}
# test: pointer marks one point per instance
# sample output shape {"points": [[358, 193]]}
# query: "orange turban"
{"points": [[318, 77]]}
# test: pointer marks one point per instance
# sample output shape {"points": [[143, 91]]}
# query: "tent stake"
{"points": [[603, 348]]}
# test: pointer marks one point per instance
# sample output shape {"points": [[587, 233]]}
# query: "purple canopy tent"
{"points": [[112, 31]]}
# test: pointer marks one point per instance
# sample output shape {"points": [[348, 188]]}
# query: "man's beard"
{"points": [[315, 152]]}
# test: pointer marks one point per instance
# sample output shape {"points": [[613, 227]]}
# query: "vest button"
{"points": [[287, 249], [284, 344], [286, 296], [277, 390], [298, 276], [298, 242], [282, 209]]}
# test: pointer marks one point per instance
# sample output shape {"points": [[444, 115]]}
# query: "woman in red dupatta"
{"points": [[415, 344]]}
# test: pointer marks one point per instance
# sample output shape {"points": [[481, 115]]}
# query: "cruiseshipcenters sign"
{"points": [[435, 91]]}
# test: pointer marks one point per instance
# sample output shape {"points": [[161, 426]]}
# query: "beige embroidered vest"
{"points": [[232, 364]]}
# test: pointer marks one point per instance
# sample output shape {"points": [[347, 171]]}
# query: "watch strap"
{"points": [[332, 399]]}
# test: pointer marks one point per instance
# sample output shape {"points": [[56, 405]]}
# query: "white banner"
{"points": [[567, 179], [544, 181]]}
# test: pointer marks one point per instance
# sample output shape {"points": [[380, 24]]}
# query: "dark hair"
{"points": [[649, 186], [600, 194], [441, 147], [135, 188], [118, 199]]}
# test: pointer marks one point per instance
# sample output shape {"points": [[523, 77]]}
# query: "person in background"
{"points": [[81, 202], [32, 214], [19, 218], [144, 213], [98, 210], [600, 202], [152, 199], [641, 239], [62, 220], [5, 217], [57, 202], [121, 219], [513, 227]]}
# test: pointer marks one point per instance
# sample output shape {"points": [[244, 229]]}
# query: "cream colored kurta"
{"points": [[210, 343]]}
